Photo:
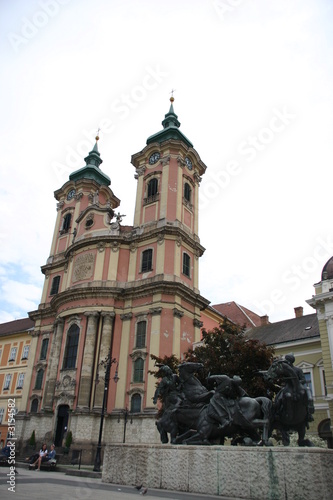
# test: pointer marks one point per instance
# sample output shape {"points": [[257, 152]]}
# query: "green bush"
{"points": [[69, 439], [32, 440]]}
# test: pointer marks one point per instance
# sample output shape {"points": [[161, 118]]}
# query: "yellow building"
{"points": [[16, 361], [322, 301], [301, 337]]}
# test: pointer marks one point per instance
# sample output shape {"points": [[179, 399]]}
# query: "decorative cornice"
{"points": [[155, 311], [197, 178], [140, 171], [165, 160], [60, 204], [135, 390], [178, 313], [137, 353], [125, 317], [197, 323]]}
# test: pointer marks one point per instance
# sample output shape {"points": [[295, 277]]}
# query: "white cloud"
{"points": [[228, 74]]}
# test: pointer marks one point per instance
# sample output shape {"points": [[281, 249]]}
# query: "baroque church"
{"points": [[120, 291]]}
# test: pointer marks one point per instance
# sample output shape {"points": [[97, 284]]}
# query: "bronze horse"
{"points": [[290, 407], [194, 415], [230, 414]]}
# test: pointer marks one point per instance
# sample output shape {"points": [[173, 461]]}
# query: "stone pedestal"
{"points": [[236, 472]]}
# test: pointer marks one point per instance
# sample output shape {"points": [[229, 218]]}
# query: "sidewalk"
{"points": [[34, 485]]}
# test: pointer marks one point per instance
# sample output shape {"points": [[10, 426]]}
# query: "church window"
{"points": [[186, 264], [138, 370], [187, 192], [55, 285], [34, 406], [136, 403], [66, 222], [20, 381], [43, 351], [2, 412], [71, 347], [152, 187], [39, 379], [147, 260], [8, 379], [141, 334]]}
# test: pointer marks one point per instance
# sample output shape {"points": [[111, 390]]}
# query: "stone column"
{"points": [[88, 360], [53, 363], [103, 352]]}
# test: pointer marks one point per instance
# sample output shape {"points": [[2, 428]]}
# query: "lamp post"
{"points": [[107, 362], [125, 413]]}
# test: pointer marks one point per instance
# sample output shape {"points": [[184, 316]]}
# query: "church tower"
{"points": [[126, 291]]}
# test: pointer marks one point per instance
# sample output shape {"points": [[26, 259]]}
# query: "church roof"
{"points": [[170, 129], [238, 314], [290, 330], [91, 170]]}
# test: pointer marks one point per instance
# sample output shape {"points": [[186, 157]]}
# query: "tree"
{"points": [[226, 350], [171, 361]]}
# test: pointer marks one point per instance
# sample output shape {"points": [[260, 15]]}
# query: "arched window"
{"points": [[152, 187], [39, 379], [34, 406], [138, 370], [71, 347], [186, 264], [43, 351], [147, 260], [66, 222], [136, 403], [187, 192], [55, 285], [141, 334]]}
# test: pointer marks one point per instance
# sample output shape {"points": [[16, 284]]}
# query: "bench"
{"points": [[48, 465]]}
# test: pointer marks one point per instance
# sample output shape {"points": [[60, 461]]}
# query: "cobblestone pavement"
{"points": [[34, 485]]}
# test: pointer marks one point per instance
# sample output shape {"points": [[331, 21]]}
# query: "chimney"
{"points": [[264, 320], [298, 312]]}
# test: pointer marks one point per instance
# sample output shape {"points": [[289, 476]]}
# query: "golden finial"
{"points": [[97, 136], [172, 98]]}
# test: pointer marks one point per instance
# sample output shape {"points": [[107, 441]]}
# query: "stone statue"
{"points": [[293, 404]]}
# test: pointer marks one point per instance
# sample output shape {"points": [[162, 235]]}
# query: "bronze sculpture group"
{"points": [[192, 414]]}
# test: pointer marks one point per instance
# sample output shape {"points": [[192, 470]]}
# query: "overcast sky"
{"points": [[253, 82]]}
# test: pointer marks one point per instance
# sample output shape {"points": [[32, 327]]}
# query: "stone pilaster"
{"points": [[51, 376], [103, 352], [88, 360]]}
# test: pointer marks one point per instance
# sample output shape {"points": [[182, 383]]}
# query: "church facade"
{"points": [[120, 291]]}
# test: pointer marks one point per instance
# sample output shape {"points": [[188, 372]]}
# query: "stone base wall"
{"points": [[85, 429], [236, 472]]}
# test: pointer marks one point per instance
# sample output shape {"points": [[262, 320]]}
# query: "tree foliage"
{"points": [[227, 351]]}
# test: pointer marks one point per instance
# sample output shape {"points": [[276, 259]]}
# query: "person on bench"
{"points": [[46, 457], [34, 458]]}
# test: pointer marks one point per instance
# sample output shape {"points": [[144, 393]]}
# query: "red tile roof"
{"points": [[238, 314], [16, 326]]}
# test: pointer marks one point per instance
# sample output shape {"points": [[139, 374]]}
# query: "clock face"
{"points": [[154, 158], [188, 163], [71, 194]]}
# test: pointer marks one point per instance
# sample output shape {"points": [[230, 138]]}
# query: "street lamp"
{"points": [[125, 413], [107, 363]]}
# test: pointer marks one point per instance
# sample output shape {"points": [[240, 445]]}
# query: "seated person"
{"points": [[4, 453], [46, 457], [34, 458]]}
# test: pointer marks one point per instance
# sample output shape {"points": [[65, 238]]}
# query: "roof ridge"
{"points": [[245, 314]]}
